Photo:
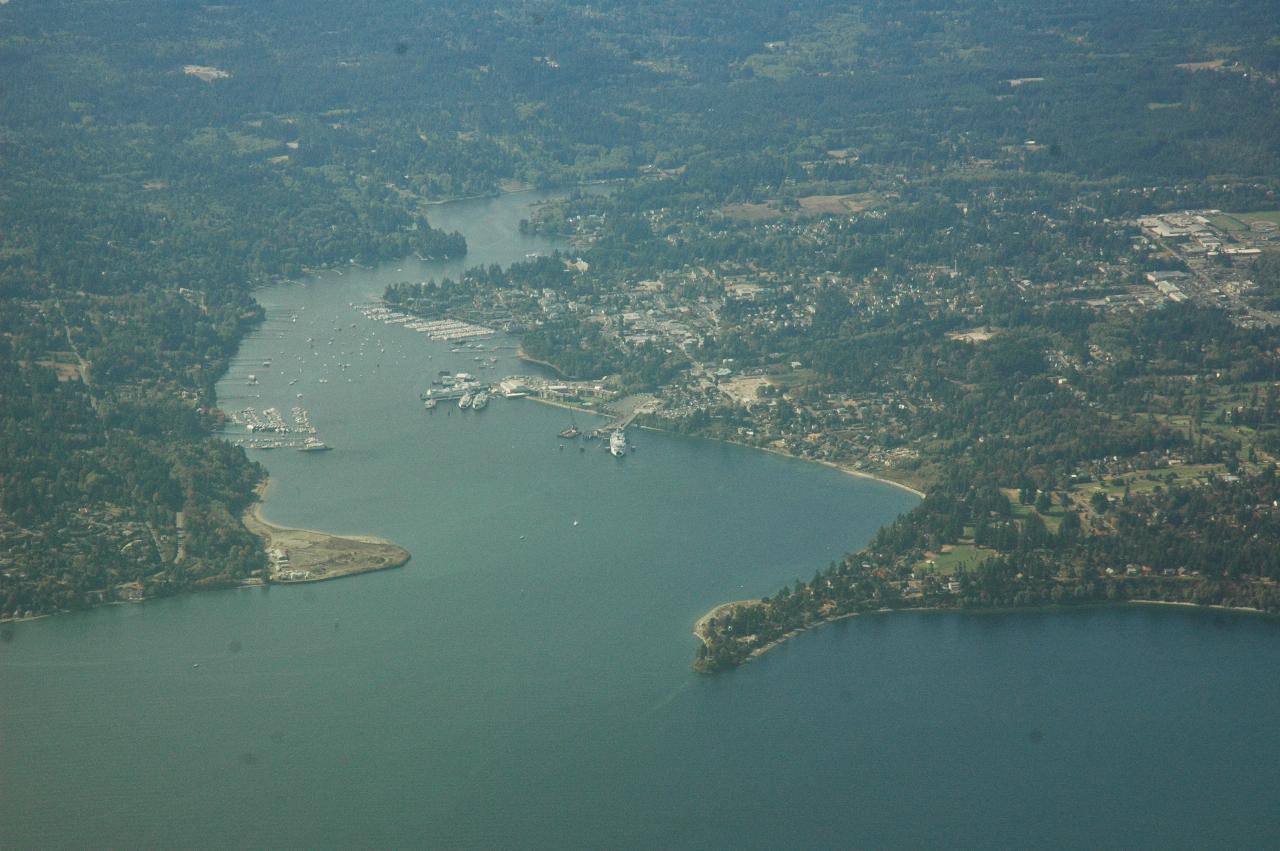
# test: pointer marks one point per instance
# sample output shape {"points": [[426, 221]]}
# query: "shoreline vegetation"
{"points": [[702, 629], [851, 471], [732, 634], [521, 355], [307, 555], [295, 556]]}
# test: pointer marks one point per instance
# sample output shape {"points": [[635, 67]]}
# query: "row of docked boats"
{"points": [[436, 329], [617, 439], [462, 387], [271, 422], [467, 399]]}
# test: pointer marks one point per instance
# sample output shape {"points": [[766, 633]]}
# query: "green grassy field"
{"points": [[1241, 221], [1052, 520], [1228, 222], [957, 559]]}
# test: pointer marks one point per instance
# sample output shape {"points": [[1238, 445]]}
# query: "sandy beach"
{"points": [[832, 464], [850, 471], [314, 556], [846, 470]]}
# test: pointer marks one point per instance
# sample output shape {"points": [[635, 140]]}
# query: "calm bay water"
{"points": [[524, 681]]}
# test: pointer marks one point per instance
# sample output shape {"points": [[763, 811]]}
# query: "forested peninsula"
{"points": [[1003, 557]]}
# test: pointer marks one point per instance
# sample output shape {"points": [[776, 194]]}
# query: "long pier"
{"points": [[619, 424]]}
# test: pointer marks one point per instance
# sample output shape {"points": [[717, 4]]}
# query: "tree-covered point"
{"points": [[1209, 544]]}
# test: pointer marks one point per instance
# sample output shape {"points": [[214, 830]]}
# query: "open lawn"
{"points": [[1241, 221], [1143, 481], [786, 378], [955, 558], [750, 212], [1052, 520], [973, 335], [809, 205], [743, 390], [838, 204], [1227, 222]]}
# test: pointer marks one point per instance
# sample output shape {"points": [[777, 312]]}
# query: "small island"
{"points": [[304, 555]]}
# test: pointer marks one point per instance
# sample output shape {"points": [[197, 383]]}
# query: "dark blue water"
{"points": [[524, 681]]}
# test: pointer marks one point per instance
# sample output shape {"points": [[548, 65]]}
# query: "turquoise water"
{"points": [[524, 681]]}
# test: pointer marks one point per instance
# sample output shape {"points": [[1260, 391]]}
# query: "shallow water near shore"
{"points": [[525, 680]]}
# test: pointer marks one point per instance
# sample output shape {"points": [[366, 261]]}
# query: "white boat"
{"points": [[465, 401], [479, 401], [430, 404], [312, 444], [618, 443]]}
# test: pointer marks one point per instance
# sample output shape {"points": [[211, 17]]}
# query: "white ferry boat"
{"points": [[465, 401], [479, 401], [618, 443], [312, 444], [430, 404]]}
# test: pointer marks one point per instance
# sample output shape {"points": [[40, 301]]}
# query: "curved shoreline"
{"points": [[313, 555], [699, 629], [308, 555], [700, 624], [850, 471], [521, 355]]}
